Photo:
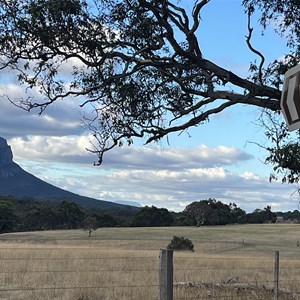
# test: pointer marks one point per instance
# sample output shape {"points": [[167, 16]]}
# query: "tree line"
{"points": [[28, 214]]}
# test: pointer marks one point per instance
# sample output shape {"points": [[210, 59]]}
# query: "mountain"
{"points": [[14, 181]]}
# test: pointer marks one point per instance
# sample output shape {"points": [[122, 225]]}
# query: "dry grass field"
{"points": [[229, 262]]}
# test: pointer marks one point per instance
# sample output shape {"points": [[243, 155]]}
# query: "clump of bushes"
{"points": [[180, 243]]}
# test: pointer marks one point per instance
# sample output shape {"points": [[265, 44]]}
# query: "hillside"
{"points": [[15, 181]]}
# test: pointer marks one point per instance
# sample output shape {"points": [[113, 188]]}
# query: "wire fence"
{"points": [[81, 273]]}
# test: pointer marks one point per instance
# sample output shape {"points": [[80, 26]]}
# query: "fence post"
{"points": [[276, 276], [166, 274]]}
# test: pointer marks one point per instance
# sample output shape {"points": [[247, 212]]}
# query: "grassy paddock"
{"points": [[229, 262]]}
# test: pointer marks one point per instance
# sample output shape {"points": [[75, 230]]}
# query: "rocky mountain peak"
{"points": [[16, 182], [6, 156]]}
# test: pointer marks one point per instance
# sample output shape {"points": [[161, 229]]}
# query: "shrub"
{"points": [[181, 243]]}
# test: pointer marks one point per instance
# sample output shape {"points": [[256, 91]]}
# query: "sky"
{"points": [[218, 160]]}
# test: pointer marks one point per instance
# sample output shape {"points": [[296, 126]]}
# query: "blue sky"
{"points": [[214, 160]]}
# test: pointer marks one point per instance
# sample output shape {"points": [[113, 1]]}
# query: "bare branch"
{"points": [[248, 40]]}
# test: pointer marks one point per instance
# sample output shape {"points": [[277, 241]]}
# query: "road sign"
{"points": [[290, 98]]}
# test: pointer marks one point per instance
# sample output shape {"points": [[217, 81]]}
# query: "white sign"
{"points": [[290, 98]]}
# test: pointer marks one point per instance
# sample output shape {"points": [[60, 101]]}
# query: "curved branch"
{"points": [[157, 135], [196, 12], [248, 41]]}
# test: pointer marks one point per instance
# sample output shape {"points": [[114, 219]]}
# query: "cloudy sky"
{"points": [[217, 160]]}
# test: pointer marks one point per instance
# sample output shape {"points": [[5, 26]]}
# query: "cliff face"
{"points": [[6, 156], [7, 167]]}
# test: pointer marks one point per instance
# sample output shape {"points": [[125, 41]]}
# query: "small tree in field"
{"points": [[181, 243], [90, 224]]}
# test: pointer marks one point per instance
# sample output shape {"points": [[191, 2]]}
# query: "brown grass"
{"points": [[230, 262]]}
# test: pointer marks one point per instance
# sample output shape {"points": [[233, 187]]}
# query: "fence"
{"points": [[166, 283], [83, 273]]}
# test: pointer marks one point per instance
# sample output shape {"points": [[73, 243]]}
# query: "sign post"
{"points": [[290, 98]]}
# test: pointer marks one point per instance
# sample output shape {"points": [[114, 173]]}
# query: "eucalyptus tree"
{"points": [[140, 66]]}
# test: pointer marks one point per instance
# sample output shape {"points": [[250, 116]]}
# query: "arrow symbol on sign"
{"points": [[292, 97], [291, 100]]}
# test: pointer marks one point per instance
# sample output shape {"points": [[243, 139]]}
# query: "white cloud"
{"points": [[65, 149], [16, 122], [175, 190], [250, 175], [66, 69], [174, 158], [72, 149]]}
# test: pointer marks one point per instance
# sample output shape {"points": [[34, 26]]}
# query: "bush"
{"points": [[181, 243]]}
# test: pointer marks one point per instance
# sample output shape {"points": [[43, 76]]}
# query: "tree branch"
{"points": [[248, 40]]}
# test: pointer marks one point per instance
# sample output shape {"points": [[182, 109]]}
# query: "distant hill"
{"points": [[14, 181]]}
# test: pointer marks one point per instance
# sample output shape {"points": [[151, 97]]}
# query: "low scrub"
{"points": [[181, 243]]}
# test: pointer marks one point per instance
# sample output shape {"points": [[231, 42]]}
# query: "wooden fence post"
{"points": [[166, 274], [276, 276]]}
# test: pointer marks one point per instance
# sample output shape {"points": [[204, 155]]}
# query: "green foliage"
{"points": [[181, 243], [284, 148], [104, 219], [38, 216], [283, 151], [8, 219], [27, 214], [151, 217], [285, 14], [213, 212], [183, 219], [259, 216], [291, 215], [70, 215]]}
